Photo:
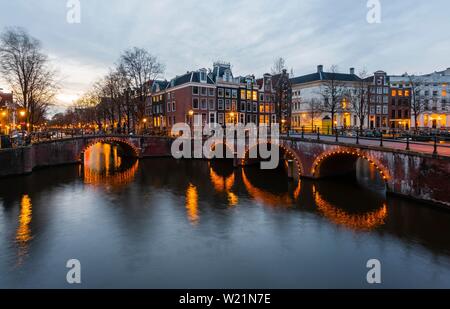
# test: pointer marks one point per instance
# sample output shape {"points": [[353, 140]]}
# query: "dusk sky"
{"points": [[185, 35]]}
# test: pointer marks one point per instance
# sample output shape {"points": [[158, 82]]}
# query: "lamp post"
{"points": [[145, 124], [191, 114]]}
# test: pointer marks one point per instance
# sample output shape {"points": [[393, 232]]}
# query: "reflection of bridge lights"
{"points": [[23, 234], [221, 184], [366, 221], [192, 203], [265, 197]]}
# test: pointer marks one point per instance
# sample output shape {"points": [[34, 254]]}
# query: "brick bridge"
{"points": [[413, 174]]}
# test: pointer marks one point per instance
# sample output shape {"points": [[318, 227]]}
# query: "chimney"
{"points": [[352, 71], [319, 68]]}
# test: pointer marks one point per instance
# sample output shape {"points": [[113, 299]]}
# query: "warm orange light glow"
{"points": [[22, 113], [191, 112], [267, 198], [366, 221], [192, 203]]}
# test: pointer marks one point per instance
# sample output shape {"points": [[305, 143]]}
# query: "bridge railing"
{"points": [[437, 146]]}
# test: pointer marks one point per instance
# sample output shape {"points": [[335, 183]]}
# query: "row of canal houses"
{"points": [[217, 96]]}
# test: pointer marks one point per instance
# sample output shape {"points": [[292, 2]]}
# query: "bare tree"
{"points": [[418, 106], [333, 91], [139, 67], [26, 69], [279, 64], [359, 101], [313, 108]]}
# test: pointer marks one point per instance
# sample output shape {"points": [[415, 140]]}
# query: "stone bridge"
{"points": [[413, 174], [417, 175]]}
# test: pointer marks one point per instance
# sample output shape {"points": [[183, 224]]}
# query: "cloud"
{"points": [[413, 35]]}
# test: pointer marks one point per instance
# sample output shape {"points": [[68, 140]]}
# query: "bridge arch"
{"points": [[342, 160], [127, 145], [286, 151]]}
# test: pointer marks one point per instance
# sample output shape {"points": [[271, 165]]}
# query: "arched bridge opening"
{"points": [[127, 148], [352, 165]]}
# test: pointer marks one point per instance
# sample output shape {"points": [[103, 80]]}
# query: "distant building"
{"points": [[434, 92], [8, 110], [307, 98]]}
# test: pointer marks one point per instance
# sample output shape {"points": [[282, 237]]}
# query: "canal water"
{"points": [[163, 223]]}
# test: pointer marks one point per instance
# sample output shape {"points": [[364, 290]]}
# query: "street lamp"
{"points": [[145, 124]]}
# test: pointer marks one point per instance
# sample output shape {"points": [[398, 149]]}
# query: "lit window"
{"points": [[242, 94], [406, 93], [255, 96], [444, 93], [400, 93], [249, 94], [394, 93]]}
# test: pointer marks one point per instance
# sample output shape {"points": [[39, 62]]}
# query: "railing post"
{"points": [[318, 134], [435, 152], [381, 139], [357, 137], [337, 135], [407, 141], [303, 132]]}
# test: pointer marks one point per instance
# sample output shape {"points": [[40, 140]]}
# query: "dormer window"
{"points": [[227, 76], [203, 76]]}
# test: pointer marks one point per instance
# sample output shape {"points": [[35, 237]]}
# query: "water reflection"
{"points": [[365, 221], [266, 197], [223, 183], [192, 204], [104, 165], [23, 233]]}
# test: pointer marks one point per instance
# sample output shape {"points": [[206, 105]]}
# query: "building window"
{"points": [[195, 103], [242, 118], [394, 93], [211, 92], [220, 104], [220, 118], [242, 106], [400, 93], [233, 105], [203, 103], [261, 97], [249, 106], [255, 107], [407, 93], [227, 104], [234, 93], [372, 110], [203, 91], [385, 110], [227, 93], [444, 93], [202, 76], [243, 94], [220, 92], [255, 96], [261, 107], [195, 90], [249, 94], [378, 110], [212, 117], [212, 104], [168, 106], [174, 107]]}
